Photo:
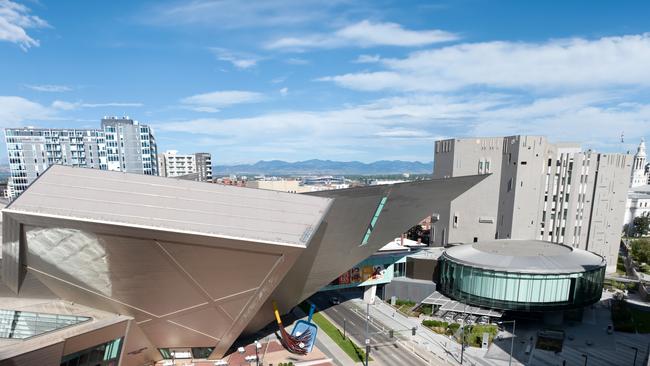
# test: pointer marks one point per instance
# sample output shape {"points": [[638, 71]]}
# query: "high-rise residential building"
{"points": [[196, 166], [130, 146], [203, 166], [32, 150], [121, 145], [536, 191]]}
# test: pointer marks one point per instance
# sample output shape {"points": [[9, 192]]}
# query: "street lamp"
{"points": [[512, 339], [586, 357], [258, 345]]}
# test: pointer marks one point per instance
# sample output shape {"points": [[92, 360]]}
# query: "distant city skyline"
{"points": [[362, 81]]}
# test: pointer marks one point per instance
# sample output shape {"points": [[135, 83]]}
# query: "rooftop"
{"points": [[525, 256], [173, 205]]}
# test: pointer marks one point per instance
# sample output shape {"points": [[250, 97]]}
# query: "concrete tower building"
{"points": [[537, 191]]}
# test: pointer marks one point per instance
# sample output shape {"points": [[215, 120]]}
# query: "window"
{"points": [[455, 220], [510, 185], [373, 221], [106, 354]]}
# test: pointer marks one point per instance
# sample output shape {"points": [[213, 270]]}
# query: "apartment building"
{"points": [[203, 166], [32, 150], [197, 166], [120, 145], [130, 146], [536, 190]]}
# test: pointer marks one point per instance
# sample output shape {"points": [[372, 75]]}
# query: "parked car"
{"points": [[483, 320], [610, 329], [334, 300], [471, 319]]}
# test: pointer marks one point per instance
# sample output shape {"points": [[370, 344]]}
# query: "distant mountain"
{"points": [[326, 167]]}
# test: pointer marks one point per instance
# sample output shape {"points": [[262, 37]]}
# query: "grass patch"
{"points": [[620, 266], [346, 344], [474, 334], [405, 306]]}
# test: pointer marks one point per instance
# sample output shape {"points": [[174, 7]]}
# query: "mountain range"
{"points": [[325, 167]]}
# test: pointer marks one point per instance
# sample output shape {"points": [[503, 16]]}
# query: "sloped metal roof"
{"points": [[525, 256], [174, 205]]}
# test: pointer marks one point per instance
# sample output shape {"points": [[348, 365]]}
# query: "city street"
{"points": [[384, 350]]}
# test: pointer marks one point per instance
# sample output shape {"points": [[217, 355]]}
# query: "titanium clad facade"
{"points": [[150, 248]]}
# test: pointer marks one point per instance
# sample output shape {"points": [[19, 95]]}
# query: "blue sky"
{"points": [[335, 79]]}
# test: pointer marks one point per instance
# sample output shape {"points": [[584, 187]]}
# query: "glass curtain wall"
{"points": [[520, 291]]}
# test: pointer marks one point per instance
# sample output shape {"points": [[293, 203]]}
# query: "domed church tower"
{"points": [[639, 175]]}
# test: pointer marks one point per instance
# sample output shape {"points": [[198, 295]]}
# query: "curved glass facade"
{"points": [[519, 291]]}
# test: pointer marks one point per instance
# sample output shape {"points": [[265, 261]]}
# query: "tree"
{"points": [[641, 250], [641, 225], [415, 232]]}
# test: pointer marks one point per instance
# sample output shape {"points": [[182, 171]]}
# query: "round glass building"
{"points": [[527, 275]]}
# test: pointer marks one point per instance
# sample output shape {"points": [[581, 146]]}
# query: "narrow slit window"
{"points": [[373, 222]]}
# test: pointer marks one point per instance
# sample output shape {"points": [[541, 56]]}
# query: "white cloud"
{"points": [[417, 120], [284, 91], [367, 59], [240, 60], [50, 88], [297, 61], [14, 111], [365, 34], [68, 106], [231, 14], [572, 63], [210, 102], [15, 19]]}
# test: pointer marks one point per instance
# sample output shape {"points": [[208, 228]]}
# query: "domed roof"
{"points": [[525, 256]]}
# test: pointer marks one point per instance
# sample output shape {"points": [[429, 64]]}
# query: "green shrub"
{"points": [[434, 323], [400, 302], [453, 327]]}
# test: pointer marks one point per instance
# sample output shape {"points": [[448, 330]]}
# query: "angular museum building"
{"points": [[123, 268]]}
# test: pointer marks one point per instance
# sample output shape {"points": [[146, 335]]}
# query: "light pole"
{"points": [[367, 330], [462, 341], [343, 328], [586, 357], [636, 350], [258, 345], [512, 339]]}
